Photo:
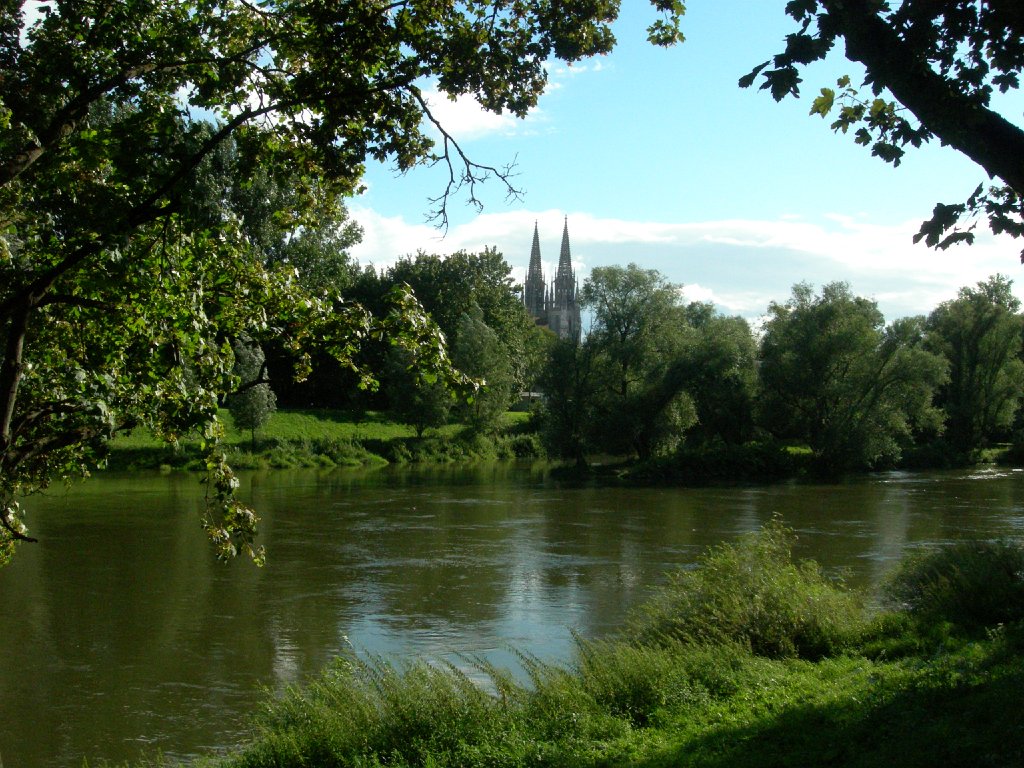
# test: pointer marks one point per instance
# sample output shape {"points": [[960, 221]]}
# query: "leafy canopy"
{"points": [[934, 70], [127, 264], [835, 376]]}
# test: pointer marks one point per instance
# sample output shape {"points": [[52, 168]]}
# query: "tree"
{"points": [[253, 403], [568, 383], [979, 335], [420, 400], [718, 369], [115, 296], [313, 254], [479, 353], [317, 250], [638, 334], [941, 61], [833, 375], [451, 286]]}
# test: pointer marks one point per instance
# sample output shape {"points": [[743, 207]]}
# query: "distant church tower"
{"points": [[555, 305]]}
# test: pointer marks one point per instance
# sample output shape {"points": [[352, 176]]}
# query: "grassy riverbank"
{"points": [[749, 660], [331, 438], [323, 438]]}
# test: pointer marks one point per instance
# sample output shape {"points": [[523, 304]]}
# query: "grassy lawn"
{"points": [[309, 438], [292, 426]]}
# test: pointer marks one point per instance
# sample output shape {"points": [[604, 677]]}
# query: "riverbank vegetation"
{"points": [[751, 659], [825, 386], [327, 438], [688, 391], [678, 391]]}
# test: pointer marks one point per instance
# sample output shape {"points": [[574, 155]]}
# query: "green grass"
{"points": [[326, 438], [753, 594], [906, 689], [290, 425]]}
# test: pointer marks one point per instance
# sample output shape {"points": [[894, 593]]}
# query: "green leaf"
{"points": [[822, 105]]}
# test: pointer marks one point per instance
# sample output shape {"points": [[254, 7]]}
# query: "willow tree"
{"points": [[118, 303], [836, 377], [639, 333], [979, 333]]}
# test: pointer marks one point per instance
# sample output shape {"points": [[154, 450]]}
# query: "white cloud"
{"points": [[698, 292], [465, 119], [559, 73], [385, 239], [740, 265]]}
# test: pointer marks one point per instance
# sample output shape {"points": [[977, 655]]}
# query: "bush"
{"points": [[638, 682], [752, 593], [520, 446], [971, 584], [752, 462]]}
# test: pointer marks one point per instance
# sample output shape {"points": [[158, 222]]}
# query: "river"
{"points": [[123, 636]]}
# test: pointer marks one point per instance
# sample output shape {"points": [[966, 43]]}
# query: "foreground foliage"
{"points": [[752, 594], [131, 137], [945, 63], [898, 689]]}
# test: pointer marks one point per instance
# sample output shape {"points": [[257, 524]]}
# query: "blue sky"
{"points": [[657, 157]]}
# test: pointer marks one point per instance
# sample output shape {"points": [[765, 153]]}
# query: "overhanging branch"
{"points": [[985, 136], [462, 171]]}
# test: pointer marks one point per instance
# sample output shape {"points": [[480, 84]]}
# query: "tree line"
{"points": [[825, 371], [655, 375]]}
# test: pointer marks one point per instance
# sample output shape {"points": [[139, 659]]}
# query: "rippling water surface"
{"points": [[122, 636]]}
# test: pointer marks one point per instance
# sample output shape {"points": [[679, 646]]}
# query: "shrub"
{"points": [[752, 593], [369, 712], [752, 462], [637, 682], [969, 584], [523, 445]]}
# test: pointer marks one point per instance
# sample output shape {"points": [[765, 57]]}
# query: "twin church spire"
{"points": [[554, 304]]}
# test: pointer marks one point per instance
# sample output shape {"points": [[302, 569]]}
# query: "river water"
{"points": [[123, 637]]}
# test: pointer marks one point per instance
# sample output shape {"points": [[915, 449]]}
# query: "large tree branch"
{"points": [[20, 305], [148, 210], [12, 458], [12, 530], [960, 121], [63, 123], [11, 371], [66, 119]]}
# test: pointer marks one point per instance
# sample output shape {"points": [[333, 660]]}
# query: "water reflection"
{"points": [[123, 635]]}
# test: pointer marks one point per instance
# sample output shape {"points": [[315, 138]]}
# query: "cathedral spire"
{"points": [[553, 304], [564, 258], [534, 289], [535, 269]]}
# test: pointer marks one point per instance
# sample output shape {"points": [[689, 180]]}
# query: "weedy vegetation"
{"points": [[750, 659]]}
